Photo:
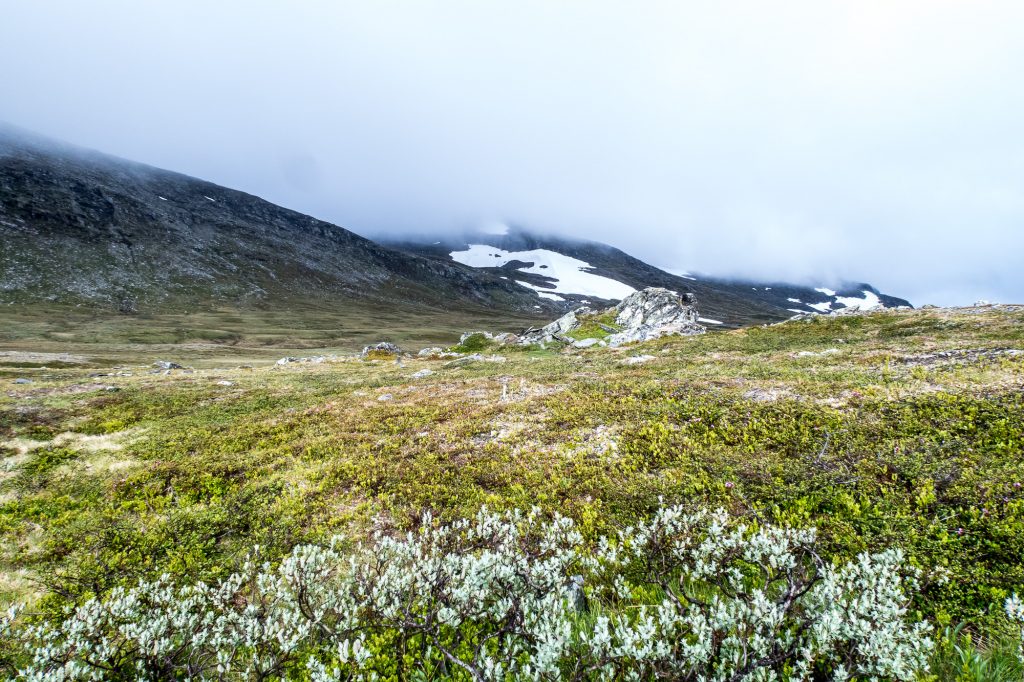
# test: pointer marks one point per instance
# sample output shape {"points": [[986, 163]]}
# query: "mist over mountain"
{"points": [[80, 227], [84, 228]]}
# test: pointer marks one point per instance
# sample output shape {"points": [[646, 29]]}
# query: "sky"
{"points": [[812, 141]]}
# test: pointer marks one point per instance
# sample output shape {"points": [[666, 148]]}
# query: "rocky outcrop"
{"points": [[381, 350], [653, 313], [555, 331], [643, 315]]}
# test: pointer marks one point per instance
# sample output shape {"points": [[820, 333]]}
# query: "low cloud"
{"points": [[814, 141]]}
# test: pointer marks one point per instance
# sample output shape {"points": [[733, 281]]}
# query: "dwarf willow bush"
{"points": [[689, 596], [1015, 612]]}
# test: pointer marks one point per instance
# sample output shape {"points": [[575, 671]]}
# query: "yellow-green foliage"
{"points": [[181, 474], [590, 326]]}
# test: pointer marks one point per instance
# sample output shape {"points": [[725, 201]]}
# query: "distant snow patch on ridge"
{"points": [[822, 307], [826, 291], [869, 302], [708, 320], [570, 274], [543, 293], [794, 300]]}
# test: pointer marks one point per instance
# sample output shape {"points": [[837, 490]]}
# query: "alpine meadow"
{"points": [[512, 341]]}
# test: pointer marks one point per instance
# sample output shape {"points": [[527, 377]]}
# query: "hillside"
{"points": [[83, 229], [575, 271], [892, 429]]}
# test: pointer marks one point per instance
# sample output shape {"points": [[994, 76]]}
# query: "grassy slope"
{"points": [[180, 473], [212, 337]]}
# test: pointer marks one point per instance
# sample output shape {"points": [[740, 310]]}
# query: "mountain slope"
{"points": [[574, 271], [83, 228]]}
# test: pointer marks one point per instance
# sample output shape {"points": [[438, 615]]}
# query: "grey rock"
{"points": [[314, 360], [475, 357], [555, 331], [167, 364], [466, 335], [384, 398], [507, 338], [429, 352], [382, 347], [638, 359], [422, 373], [23, 381], [587, 343], [655, 312]]}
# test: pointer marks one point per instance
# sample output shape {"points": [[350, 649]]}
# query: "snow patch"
{"points": [[869, 302], [570, 274], [210, 198], [822, 307], [794, 300], [708, 320], [160, 198], [543, 293], [826, 291]]}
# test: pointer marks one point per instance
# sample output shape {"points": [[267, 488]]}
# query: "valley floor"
{"points": [[899, 428]]}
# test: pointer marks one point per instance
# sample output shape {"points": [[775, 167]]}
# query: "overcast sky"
{"points": [[880, 140]]}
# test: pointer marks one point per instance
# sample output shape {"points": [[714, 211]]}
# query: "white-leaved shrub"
{"points": [[1015, 612], [702, 597]]}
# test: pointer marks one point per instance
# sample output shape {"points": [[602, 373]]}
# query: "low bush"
{"points": [[701, 596]]}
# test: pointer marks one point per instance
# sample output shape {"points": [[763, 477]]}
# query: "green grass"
{"points": [[181, 474]]}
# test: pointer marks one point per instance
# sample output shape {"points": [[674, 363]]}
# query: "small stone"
{"points": [[638, 359], [385, 397], [23, 381], [167, 364], [422, 373], [225, 383]]}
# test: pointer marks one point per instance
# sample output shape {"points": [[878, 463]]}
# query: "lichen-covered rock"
{"points": [[555, 331], [382, 350], [655, 312]]}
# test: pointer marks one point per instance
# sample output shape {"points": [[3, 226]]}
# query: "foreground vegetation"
{"points": [[680, 596], [893, 430]]}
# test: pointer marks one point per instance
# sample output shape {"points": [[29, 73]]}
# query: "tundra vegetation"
{"points": [[133, 503]]}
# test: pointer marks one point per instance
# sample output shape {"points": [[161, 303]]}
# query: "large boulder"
{"points": [[655, 312]]}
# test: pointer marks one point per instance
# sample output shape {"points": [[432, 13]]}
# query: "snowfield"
{"points": [[543, 293], [570, 274], [869, 302]]}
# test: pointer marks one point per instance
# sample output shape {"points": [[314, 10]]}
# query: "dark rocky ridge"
{"points": [[83, 228]]}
